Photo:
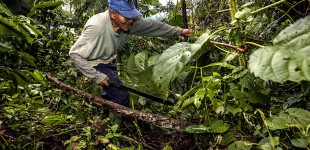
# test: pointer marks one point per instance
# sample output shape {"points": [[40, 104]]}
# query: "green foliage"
{"points": [[174, 59], [54, 120], [269, 143], [244, 14], [240, 145], [5, 11], [215, 126], [167, 148], [300, 143], [227, 139], [138, 63], [18, 27], [290, 117], [246, 93], [45, 6], [140, 74], [211, 83], [288, 58], [198, 129], [79, 141]]}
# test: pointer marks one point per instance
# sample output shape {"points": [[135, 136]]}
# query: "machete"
{"points": [[152, 97]]}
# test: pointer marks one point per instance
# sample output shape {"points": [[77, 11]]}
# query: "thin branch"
{"points": [[266, 7], [228, 45]]}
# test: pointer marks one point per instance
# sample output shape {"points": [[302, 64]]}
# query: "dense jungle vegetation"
{"points": [[241, 80]]}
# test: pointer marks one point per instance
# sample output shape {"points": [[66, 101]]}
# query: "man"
{"points": [[94, 53]]}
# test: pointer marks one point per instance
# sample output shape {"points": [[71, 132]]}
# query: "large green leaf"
{"points": [[9, 27], [29, 3], [240, 145], [9, 23], [301, 143], [28, 37], [26, 58], [216, 126], [288, 58], [277, 122], [227, 139], [5, 47], [131, 65], [198, 129], [147, 84], [188, 102], [17, 79], [27, 75], [46, 5], [152, 60], [298, 116], [141, 60], [244, 14], [54, 120], [140, 69], [18, 7], [31, 29], [172, 61], [23, 57], [22, 77], [4, 10], [292, 116], [137, 63], [291, 33], [6, 32], [38, 76], [199, 95], [4, 72], [167, 148], [269, 143], [219, 126]]}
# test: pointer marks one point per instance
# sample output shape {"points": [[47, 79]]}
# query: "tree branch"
{"points": [[159, 120], [231, 46]]}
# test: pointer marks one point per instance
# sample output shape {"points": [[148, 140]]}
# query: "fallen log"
{"points": [[156, 119]]}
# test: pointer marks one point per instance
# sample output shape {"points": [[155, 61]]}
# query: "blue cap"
{"points": [[125, 7]]}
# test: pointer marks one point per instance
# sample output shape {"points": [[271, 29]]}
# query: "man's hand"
{"points": [[186, 32], [105, 82]]}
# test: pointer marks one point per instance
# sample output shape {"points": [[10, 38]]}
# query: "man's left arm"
{"points": [[146, 27]]}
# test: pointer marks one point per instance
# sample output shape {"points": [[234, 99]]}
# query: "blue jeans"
{"points": [[112, 93]]}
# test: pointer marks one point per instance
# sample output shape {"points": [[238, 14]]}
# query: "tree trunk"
{"points": [[159, 120], [184, 18]]}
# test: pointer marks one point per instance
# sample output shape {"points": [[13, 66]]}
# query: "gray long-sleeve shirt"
{"points": [[99, 42]]}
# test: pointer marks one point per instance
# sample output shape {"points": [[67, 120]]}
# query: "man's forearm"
{"points": [[146, 27]]}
